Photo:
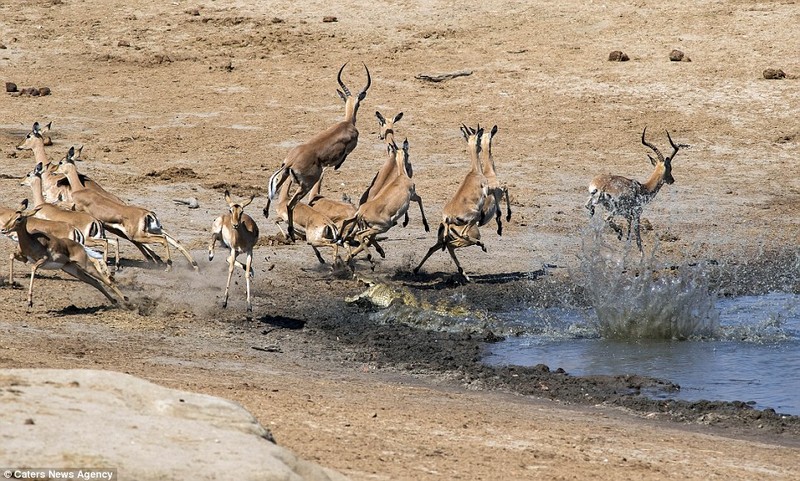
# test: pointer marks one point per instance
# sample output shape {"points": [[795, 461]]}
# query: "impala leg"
{"points": [[215, 236], [82, 275], [636, 230], [508, 204], [301, 192], [613, 225], [231, 265], [433, 249], [115, 243], [248, 273], [34, 268], [452, 252], [318, 254], [418, 200], [181, 249]]}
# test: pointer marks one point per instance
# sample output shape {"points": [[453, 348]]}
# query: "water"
{"points": [[749, 350]]}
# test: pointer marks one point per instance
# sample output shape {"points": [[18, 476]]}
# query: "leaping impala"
{"points": [[627, 197], [465, 211], [330, 148], [491, 208], [239, 232], [48, 252], [135, 224]]}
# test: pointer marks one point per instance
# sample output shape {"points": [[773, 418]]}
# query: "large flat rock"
{"points": [[101, 419]]}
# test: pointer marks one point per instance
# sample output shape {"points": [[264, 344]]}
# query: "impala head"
{"points": [[36, 135], [387, 126], [237, 209], [36, 172], [351, 103], [68, 161], [660, 159], [472, 136], [486, 140], [18, 219]]}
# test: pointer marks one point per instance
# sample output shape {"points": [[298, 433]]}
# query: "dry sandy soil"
{"points": [[184, 99]]}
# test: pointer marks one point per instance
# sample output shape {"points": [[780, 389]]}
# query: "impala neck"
{"points": [[72, 175], [351, 109], [488, 163], [39, 153], [651, 187], [475, 157], [36, 187]]}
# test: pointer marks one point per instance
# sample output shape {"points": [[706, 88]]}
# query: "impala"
{"points": [[48, 252], [388, 170], [465, 211], [329, 148], [239, 232], [491, 208], [51, 228], [315, 227], [135, 224], [380, 214], [627, 197]]}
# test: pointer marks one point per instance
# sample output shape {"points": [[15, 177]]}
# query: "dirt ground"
{"points": [[174, 100]]}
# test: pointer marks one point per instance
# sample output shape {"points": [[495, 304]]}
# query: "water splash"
{"points": [[638, 296]]}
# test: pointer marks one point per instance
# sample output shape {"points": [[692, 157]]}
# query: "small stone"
{"points": [[29, 422], [11, 87], [30, 91], [329, 19], [276, 20], [44, 91], [123, 43], [774, 74], [678, 56], [193, 12], [618, 56], [3, 46]]}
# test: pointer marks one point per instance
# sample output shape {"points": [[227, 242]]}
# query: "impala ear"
{"points": [[398, 117], [652, 160], [405, 146], [381, 119], [38, 168], [494, 130], [341, 95], [23, 205]]}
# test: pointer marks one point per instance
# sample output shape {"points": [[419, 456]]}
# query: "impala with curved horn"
{"points": [[330, 148], [627, 197]]}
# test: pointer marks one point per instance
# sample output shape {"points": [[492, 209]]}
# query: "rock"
{"points": [[11, 87], [774, 74], [329, 19], [618, 56], [30, 91], [147, 432], [678, 56], [44, 91], [191, 202], [123, 43]]}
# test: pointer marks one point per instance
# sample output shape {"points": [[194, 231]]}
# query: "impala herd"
{"points": [[72, 215]]}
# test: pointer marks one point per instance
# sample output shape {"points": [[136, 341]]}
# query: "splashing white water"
{"points": [[639, 297]]}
